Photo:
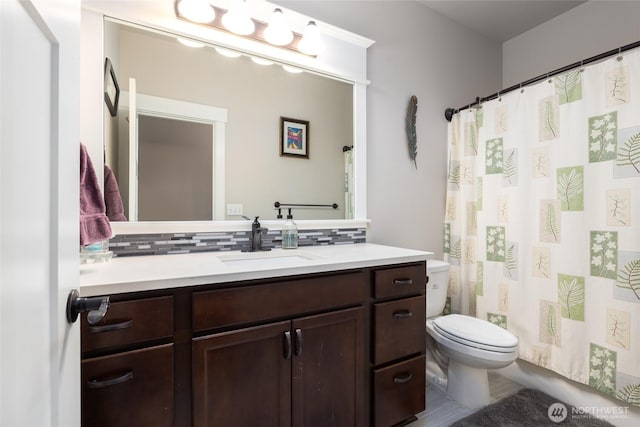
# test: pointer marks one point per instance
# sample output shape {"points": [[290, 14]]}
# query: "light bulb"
{"points": [[261, 61], [228, 53], [237, 19], [289, 68], [196, 10], [190, 43], [311, 42], [278, 32]]}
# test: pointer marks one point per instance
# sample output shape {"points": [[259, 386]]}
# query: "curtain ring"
{"points": [[521, 88], [619, 58], [582, 66]]}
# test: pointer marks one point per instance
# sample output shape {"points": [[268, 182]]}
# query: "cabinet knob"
{"points": [[402, 282]]}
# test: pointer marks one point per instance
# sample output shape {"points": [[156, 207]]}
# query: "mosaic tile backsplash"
{"points": [[184, 243]]}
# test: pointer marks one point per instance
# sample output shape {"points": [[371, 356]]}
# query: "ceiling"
{"points": [[501, 20]]}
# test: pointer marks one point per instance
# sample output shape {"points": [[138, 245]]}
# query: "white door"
{"points": [[39, 208]]}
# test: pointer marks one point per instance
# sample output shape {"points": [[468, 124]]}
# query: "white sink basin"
{"points": [[274, 258]]}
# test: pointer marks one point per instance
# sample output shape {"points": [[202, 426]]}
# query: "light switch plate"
{"points": [[234, 209]]}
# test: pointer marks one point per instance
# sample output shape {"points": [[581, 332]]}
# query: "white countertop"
{"points": [[144, 273]]}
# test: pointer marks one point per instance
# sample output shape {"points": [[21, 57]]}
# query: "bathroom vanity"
{"points": [[326, 335]]}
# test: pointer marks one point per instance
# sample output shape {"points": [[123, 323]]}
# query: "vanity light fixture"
{"points": [[237, 19], [311, 42], [199, 11], [278, 31]]}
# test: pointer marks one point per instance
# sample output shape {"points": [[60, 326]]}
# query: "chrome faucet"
{"points": [[256, 237]]}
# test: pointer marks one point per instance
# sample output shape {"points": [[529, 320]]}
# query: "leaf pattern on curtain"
{"points": [[454, 174], [602, 369], [571, 296], [568, 86], [618, 328], [617, 81], [510, 168], [550, 221], [497, 319], [549, 323], [630, 394], [629, 154], [546, 222], [470, 139], [629, 277], [571, 188], [604, 253], [603, 137], [548, 118]]}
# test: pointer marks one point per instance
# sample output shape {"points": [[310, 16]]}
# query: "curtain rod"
{"points": [[449, 112]]}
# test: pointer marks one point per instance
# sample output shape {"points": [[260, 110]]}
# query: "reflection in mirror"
{"points": [[247, 171]]}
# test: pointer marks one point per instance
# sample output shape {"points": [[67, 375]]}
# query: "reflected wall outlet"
{"points": [[234, 209]]}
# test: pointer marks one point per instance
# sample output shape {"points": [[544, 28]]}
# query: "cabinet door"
{"points": [[243, 377], [329, 369], [134, 388]]}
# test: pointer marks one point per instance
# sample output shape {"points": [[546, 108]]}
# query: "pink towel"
{"points": [[94, 224], [112, 197]]}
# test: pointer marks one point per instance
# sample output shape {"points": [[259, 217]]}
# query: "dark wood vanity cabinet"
{"points": [[307, 370], [399, 344], [319, 350], [127, 368], [304, 372]]}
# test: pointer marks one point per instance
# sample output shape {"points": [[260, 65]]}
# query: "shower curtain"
{"points": [[542, 221]]}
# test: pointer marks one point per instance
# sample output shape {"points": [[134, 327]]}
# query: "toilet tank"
{"points": [[438, 272]]}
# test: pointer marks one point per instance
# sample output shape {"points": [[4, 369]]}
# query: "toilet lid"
{"points": [[476, 332]]}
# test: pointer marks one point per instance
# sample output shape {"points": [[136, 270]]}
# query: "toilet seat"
{"points": [[476, 332]]}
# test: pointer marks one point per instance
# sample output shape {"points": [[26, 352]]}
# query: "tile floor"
{"points": [[442, 411]]}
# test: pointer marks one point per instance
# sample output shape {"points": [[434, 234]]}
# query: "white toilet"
{"points": [[472, 345]]}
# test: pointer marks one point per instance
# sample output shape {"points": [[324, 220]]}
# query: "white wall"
{"points": [[582, 32], [417, 52]]}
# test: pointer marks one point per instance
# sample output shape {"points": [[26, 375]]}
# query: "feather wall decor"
{"points": [[411, 129]]}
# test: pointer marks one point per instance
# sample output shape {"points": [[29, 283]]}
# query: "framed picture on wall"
{"points": [[111, 88], [294, 137]]}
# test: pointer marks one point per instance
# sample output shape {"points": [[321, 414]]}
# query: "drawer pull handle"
{"points": [[402, 282], [95, 383], [298, 350], [402, 314], [402, 378], [96, 329], [287, 345]]}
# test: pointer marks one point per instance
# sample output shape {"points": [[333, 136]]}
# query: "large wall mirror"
{"points": [[209, 125], [180, 155]]}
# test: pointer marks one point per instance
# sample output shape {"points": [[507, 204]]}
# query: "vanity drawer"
{"points": [[399, 281], [399, 329], [399, 391], [253, 304], [129, 389], [129, 322]]}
